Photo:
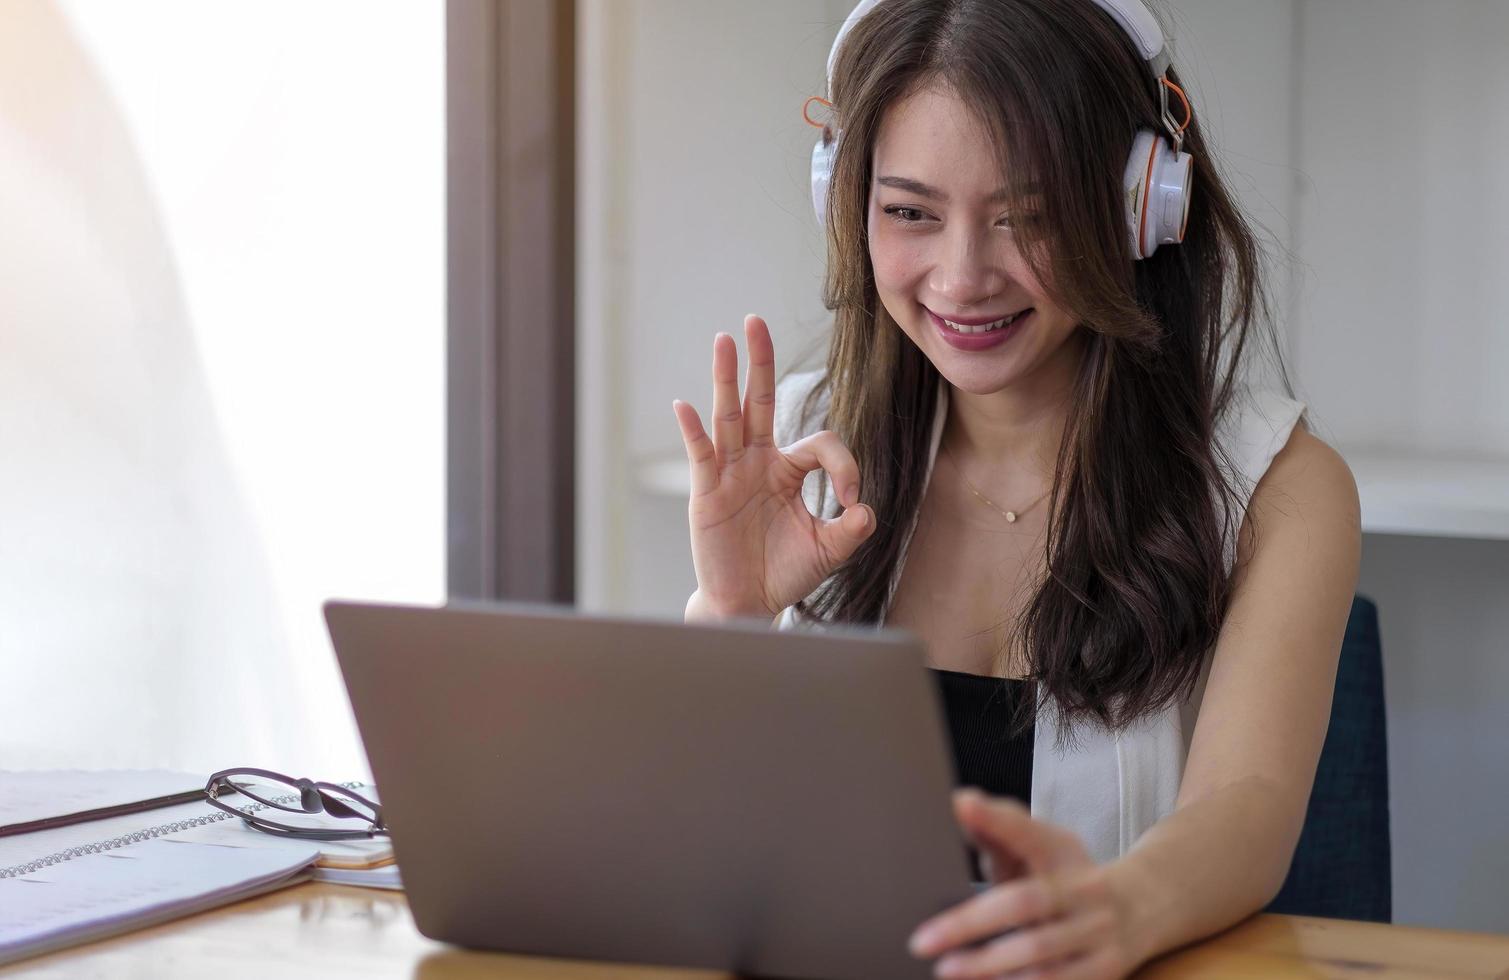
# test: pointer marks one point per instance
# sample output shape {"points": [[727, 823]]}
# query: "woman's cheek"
{"points": [[896, 262]]}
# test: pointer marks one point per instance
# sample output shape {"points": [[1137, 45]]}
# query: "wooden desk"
{"points": [[328, 931]]}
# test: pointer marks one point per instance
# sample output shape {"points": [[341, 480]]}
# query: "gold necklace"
{"points": [[1010, 515]]}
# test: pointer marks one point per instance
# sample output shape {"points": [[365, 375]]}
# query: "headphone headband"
{"points": [[1142, 27], [1133, 16]]}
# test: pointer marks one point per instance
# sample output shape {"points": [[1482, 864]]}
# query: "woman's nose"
{"points": [[967, 272]]}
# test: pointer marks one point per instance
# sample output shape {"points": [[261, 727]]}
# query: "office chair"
{"points": [[1342, 866]]}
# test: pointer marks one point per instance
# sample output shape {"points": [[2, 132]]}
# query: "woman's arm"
{"points": [[1225, 850]]}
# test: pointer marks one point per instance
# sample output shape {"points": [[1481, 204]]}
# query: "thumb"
{"points": [[1009, 832], [841, 535]]}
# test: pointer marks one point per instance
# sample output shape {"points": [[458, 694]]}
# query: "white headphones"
{"points": [[1158, 174]]}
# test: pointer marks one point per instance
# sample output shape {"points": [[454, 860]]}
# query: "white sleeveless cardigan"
{"points": [[1108, 787]]}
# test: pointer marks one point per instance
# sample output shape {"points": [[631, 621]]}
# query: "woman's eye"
{"points": [[904, 215]]}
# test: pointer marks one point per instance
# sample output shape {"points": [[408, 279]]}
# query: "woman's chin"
{"points": [[973, 384], [976, 375]]}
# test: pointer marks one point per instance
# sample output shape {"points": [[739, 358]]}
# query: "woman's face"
{"points": [[943, 248]]}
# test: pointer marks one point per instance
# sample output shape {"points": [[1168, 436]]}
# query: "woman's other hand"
{"points": [[756, 547], [1056, 907]]}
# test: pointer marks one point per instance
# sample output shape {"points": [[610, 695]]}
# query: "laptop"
{"points": [[769, 803]]}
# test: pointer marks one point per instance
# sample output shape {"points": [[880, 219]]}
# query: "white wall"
{"points": [[221, 369], [1402, 346], [1230, 54], [1404, 217], [1362, 134], [1444, 621], [695, 210]]}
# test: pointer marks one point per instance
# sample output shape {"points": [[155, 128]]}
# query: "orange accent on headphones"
{"points": [[818, 98], [1188, 112], [1147, 194]]}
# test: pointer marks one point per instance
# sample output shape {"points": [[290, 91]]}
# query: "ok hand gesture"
{"points": [[756, 547]]}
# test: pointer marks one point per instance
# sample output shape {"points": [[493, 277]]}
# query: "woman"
{"points": [[1035, 450]]}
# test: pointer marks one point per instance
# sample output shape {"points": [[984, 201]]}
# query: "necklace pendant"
{"points": [[1011, 517]]}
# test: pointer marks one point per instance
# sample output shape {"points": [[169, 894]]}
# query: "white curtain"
{"points": [[221, 370]]}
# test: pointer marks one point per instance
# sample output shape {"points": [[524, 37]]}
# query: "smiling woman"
{"points": [[974, 114], [1035, 271]]}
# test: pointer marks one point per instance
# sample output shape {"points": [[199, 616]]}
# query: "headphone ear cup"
{"points": [[1168, 196], [1135, 183], [822, 173], [1157, 185]]}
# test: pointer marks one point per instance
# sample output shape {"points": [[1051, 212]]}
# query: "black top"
{"points": [[979, 710]]}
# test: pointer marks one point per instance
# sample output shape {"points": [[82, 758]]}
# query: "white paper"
{"points": [[100, 894], [23, 848], [28, 796], [235, 833], [230, 832], [384, 877]]}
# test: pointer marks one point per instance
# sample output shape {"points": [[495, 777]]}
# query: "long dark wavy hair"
{"points": [[1142, 511]]}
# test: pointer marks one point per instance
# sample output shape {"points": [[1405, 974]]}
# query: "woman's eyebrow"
{"points": [[925, 190]]}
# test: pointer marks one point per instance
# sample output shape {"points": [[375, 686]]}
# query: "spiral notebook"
{"points": [[32, 801], [84, 879]]}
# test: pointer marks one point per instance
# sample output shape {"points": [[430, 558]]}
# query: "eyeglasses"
{"points": [[261, 789]]}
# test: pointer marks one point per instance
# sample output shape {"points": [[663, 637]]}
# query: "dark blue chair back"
{"points": [[1342, 866]]}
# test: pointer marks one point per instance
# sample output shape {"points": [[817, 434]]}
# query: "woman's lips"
{"points": [[978, 341]]}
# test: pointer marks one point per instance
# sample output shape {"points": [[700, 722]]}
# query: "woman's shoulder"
{"points": [[1254, 428], [1294, 474], [1310, 475], [794, 417]]}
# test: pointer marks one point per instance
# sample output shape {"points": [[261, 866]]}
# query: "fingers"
{"points": [[996, 865], [1063, 876], [730, 437], [1054, 943], [728, 420], [699, 448], [759, 384], [987, 914], [838, 538], [1003, 825], [824, 450]]}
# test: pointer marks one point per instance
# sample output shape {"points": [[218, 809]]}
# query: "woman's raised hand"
{"points": [[756, 547]]}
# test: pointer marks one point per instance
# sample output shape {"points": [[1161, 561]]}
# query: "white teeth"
{"points": [[982, 328]]}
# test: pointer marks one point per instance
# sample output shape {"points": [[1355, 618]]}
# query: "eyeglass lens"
{"points": [[264, 797]]}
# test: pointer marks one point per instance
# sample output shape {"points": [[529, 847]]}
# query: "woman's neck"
{"points": [[1014, 433]]}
